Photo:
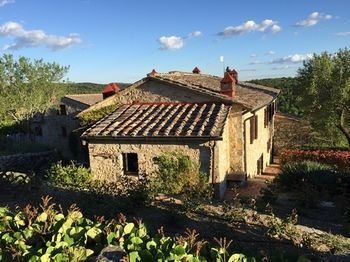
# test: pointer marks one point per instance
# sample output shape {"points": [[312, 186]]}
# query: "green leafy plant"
{"points": [[178, 175], [69, 175], [90, 117], [47, 234]]}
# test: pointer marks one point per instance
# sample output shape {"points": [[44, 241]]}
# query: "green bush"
{"points": [[47, 234], [178, 175], [90, 117], [313, 177], [69, 175]]}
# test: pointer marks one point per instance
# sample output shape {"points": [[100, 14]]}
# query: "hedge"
{"points": [[338, 159]]}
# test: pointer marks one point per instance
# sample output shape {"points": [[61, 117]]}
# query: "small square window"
{"points": [[64, 131], [63, 110], [130, 164], [38, 131]]}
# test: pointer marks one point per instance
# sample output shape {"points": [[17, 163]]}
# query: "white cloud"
{"points": [[267, 25], [5, 2], [256, 62], [171, 42], [296, 58], [194, 34], [271, 52], [282, 67], [253, 55], [34, 38], [313, 19], [343, 34], [176, 42]]}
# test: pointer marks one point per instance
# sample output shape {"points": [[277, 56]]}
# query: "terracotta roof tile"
{"points": [[87, 99], [155, 120], [250, 95]]}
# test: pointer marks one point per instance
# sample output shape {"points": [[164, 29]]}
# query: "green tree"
{"points": [[28, 87], [324, 94]]}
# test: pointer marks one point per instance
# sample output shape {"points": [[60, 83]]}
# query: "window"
{"points": [[130, 164], [38, 131], [64, 131], [253, 128], [260, 165], [63, 109]]}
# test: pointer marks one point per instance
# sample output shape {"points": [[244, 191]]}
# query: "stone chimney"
{"points": [[228, 85], [196, 70]]}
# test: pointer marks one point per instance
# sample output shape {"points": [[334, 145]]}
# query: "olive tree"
{"points": [[28, 87], [324, 94]]}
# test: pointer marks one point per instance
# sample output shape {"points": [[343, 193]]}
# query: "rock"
{"points": [[112, 254]]}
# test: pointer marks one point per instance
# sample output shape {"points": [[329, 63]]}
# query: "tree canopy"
{"points": [[324, 94], [28, 87]]}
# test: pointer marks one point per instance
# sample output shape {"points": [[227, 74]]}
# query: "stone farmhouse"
{"points": [[224, 124], [56, 126]]}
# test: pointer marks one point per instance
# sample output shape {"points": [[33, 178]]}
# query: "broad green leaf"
{"points": [[134, 256], [128, 228], [237, 258], [93, 233], [42, 217], [110, 238], [45, 258]]}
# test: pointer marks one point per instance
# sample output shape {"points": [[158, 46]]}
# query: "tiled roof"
{"points": [[87, 99], [162, 120], [250, 95]]}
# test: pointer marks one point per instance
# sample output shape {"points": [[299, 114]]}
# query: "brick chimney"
{"points": [[196, 70], [228, 85], [110, 90], [152, 73]]}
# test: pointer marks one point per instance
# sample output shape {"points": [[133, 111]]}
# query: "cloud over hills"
{"points": [[33, 38]]}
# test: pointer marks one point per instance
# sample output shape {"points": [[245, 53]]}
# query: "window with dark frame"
{"points": [[38, 131], [63, 110], [130, 164], [63, 131], [253, 128]]}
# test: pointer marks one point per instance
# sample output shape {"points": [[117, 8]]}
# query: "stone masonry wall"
{"points": [[259, 146], [106, 157]]}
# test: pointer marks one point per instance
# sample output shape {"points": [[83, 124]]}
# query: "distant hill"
{"points": [[88, 88], [287, 99]]}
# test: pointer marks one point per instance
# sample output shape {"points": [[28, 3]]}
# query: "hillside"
{"points": [[88, 88], [287, 99]]}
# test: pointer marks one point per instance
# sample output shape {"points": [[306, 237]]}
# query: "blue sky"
{"points": [[105, 41]]}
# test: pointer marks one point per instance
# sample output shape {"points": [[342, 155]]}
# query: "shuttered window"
{"points": [[252, 129], [265, 117], [256, 127]]}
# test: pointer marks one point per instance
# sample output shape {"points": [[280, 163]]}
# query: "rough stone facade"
{"points": [[233, 154], [262, 146]]}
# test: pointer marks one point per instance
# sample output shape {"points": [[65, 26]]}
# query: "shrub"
{"points": [[338, 159], [307, 177], [178, 174], [47, 234], [69, 175], [90, 117]]}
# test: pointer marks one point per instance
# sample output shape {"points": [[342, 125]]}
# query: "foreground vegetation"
{"points": [[47, 234]]}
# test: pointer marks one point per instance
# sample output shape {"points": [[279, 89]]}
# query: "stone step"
{"points": [[264, 177]]}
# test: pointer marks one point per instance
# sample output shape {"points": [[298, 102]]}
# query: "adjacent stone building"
{"points": [[224, 124]]}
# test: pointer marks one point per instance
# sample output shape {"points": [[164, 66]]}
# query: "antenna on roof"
{"points": [[222, 61]]}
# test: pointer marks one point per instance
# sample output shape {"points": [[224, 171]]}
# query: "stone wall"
{"points": [[153, 91], [259, 147], [106, 156], [30, 162]]}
